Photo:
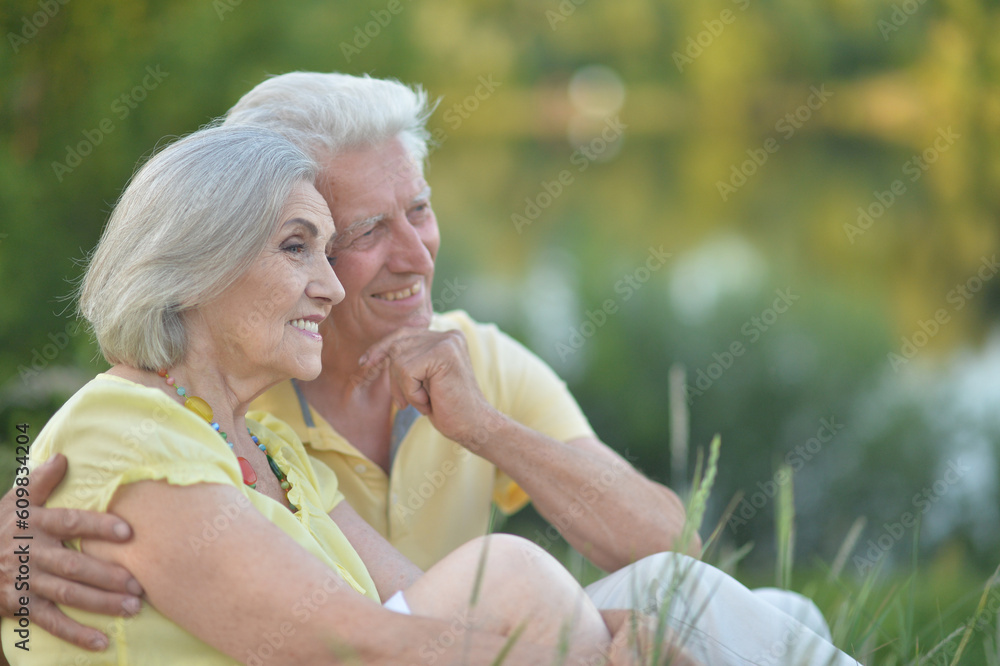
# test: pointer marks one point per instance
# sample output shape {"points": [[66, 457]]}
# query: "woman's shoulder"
{"points": [[107, 401], [117, 431]]}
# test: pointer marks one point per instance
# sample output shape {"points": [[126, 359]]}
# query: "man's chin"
{"points": [[419, 320]]}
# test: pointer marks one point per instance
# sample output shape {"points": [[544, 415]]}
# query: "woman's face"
{"points": [[265, 326]]}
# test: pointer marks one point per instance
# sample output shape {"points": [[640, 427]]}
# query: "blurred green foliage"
{"points": [[722, 162]]}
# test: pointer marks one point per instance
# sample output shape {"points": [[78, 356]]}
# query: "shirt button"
{"points": [[360, 469]]}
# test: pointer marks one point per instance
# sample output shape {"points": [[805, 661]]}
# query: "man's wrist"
{"points": [[481, 436]]}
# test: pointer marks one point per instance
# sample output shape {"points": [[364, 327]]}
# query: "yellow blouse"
{"points": [[115, 432]]}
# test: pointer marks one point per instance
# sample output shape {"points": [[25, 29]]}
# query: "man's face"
{"points": [[387, 240]]}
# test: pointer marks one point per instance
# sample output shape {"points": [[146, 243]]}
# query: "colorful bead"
{"points": [[249, 476], [199, 407], [274, 468]]}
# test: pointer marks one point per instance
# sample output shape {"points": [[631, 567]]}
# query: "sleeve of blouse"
{"points": [[123, 433]]}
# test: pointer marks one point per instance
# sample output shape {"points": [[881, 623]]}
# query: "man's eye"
{"points": [[332, 260]]}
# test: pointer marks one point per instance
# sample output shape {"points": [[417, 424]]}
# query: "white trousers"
{"points": [[721, 622]]}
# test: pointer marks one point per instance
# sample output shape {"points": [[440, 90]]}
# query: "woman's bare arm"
{"points": [[253, 577]]}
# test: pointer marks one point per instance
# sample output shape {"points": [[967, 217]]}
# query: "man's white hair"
{"points": [[325, 114]]}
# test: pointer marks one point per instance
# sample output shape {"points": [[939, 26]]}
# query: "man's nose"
{"points": [[408, 254]]}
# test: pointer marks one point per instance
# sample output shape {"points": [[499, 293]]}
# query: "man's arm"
{"points": [[602, 506], [389, 568], [60, 575]]}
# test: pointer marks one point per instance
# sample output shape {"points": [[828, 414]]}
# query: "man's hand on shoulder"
{"points": [[432, 371], [59, 575]]}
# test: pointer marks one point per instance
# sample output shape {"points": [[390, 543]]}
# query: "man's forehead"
{"points": [[350, 220]]}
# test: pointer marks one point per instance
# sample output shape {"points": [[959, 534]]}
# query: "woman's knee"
{"points": [[507, 556]]}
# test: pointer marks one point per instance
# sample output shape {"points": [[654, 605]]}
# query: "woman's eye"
{"points": [[295, 248]]}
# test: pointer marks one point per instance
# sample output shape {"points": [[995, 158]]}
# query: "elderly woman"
{"points": [[207, 288]]}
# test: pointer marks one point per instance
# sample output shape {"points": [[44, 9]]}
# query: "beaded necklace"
{"points": [[201, 407]]}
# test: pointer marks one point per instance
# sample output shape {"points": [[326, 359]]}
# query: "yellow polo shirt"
{"points": [[115, 432], [438, 495]]}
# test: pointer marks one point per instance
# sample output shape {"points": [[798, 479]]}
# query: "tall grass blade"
{"points": [[993, 580], [509, 644], [699, 497], [847, 547], [785, 521]]}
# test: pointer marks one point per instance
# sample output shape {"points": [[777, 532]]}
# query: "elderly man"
{"points": [[429, 419], [407, 394]]}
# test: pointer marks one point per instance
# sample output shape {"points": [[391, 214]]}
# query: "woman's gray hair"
{"points": [[327, 113], [191, 221]]}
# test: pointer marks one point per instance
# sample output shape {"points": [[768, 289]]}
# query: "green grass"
{"points": [[943, 615], [931, 613]]}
